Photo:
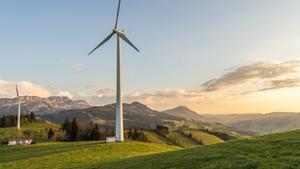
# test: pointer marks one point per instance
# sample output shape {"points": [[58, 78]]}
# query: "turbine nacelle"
{"points": [[119, 31], [120, 34]]}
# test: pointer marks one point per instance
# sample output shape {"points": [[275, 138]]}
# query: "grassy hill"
{"points": [[74, 154], [182, 138], [266, 152], [153, 137], [37, 131], [276, 151], [203, 137]]}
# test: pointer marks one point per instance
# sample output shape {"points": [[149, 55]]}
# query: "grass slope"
{"points": [[73, 155], [276, 151], [205, 138], [153, 137], [35, 128], [181, 140]]}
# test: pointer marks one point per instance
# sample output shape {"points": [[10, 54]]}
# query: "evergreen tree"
{"points": [[96, 134], [32, 117], [7, 121], [67, 127], [12, 121], [2, 121], [135, 134], [130, 134], [50, 134], [74, 130], [162, 130], [23, 119]]}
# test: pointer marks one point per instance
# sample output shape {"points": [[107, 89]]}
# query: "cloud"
{"points": [[277, 84], [65, 93], [277, 74], [78, 67], [7, 89], [158, 99]]}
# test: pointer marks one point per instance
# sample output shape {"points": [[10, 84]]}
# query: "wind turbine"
{"points": [[119, 107], [19, 108]]}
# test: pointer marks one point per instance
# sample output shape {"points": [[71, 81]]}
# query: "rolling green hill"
{"points": [[74, 154], [38, 131], [182, 138], [153, 137], [275, 151], [265, 152], [203, 137]]}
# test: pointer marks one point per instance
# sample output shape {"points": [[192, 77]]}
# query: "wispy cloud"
{"points": [[285, 83], [78, 67], [277, 75]]}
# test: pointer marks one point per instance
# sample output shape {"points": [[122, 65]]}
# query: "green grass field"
{"points": [[35, 128], [73, 155], [276, 151], [266, 152]]}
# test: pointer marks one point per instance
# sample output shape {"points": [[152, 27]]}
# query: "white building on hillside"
{"points": [[110, 139], [16, 141]]}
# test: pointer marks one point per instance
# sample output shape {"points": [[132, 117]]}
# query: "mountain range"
{"points": [[55, 109], [40, 105]]}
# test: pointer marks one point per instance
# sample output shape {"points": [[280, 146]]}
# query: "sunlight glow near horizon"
{"points": [[183, 44]]}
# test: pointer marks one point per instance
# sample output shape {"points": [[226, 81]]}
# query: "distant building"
{"points": [[110, 139], [16, 141]]}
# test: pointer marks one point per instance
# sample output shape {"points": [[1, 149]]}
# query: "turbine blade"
{"points": [[105, 40], [118, 12], [123, 36], [17, 90]]}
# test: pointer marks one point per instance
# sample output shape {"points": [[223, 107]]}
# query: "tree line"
{"points": [[12, 120], [76, 131]]}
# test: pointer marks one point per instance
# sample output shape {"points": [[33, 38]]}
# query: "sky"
{"points": [[213, 56]]}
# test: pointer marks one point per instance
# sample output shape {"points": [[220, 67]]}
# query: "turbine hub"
{"points": [[119, 31]]}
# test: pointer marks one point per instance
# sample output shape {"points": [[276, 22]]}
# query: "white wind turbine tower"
{"points": [[19, 108], [119, 108]]}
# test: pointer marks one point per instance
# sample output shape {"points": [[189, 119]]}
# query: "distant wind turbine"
{"points": [[19, 108], [119, 108]]}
